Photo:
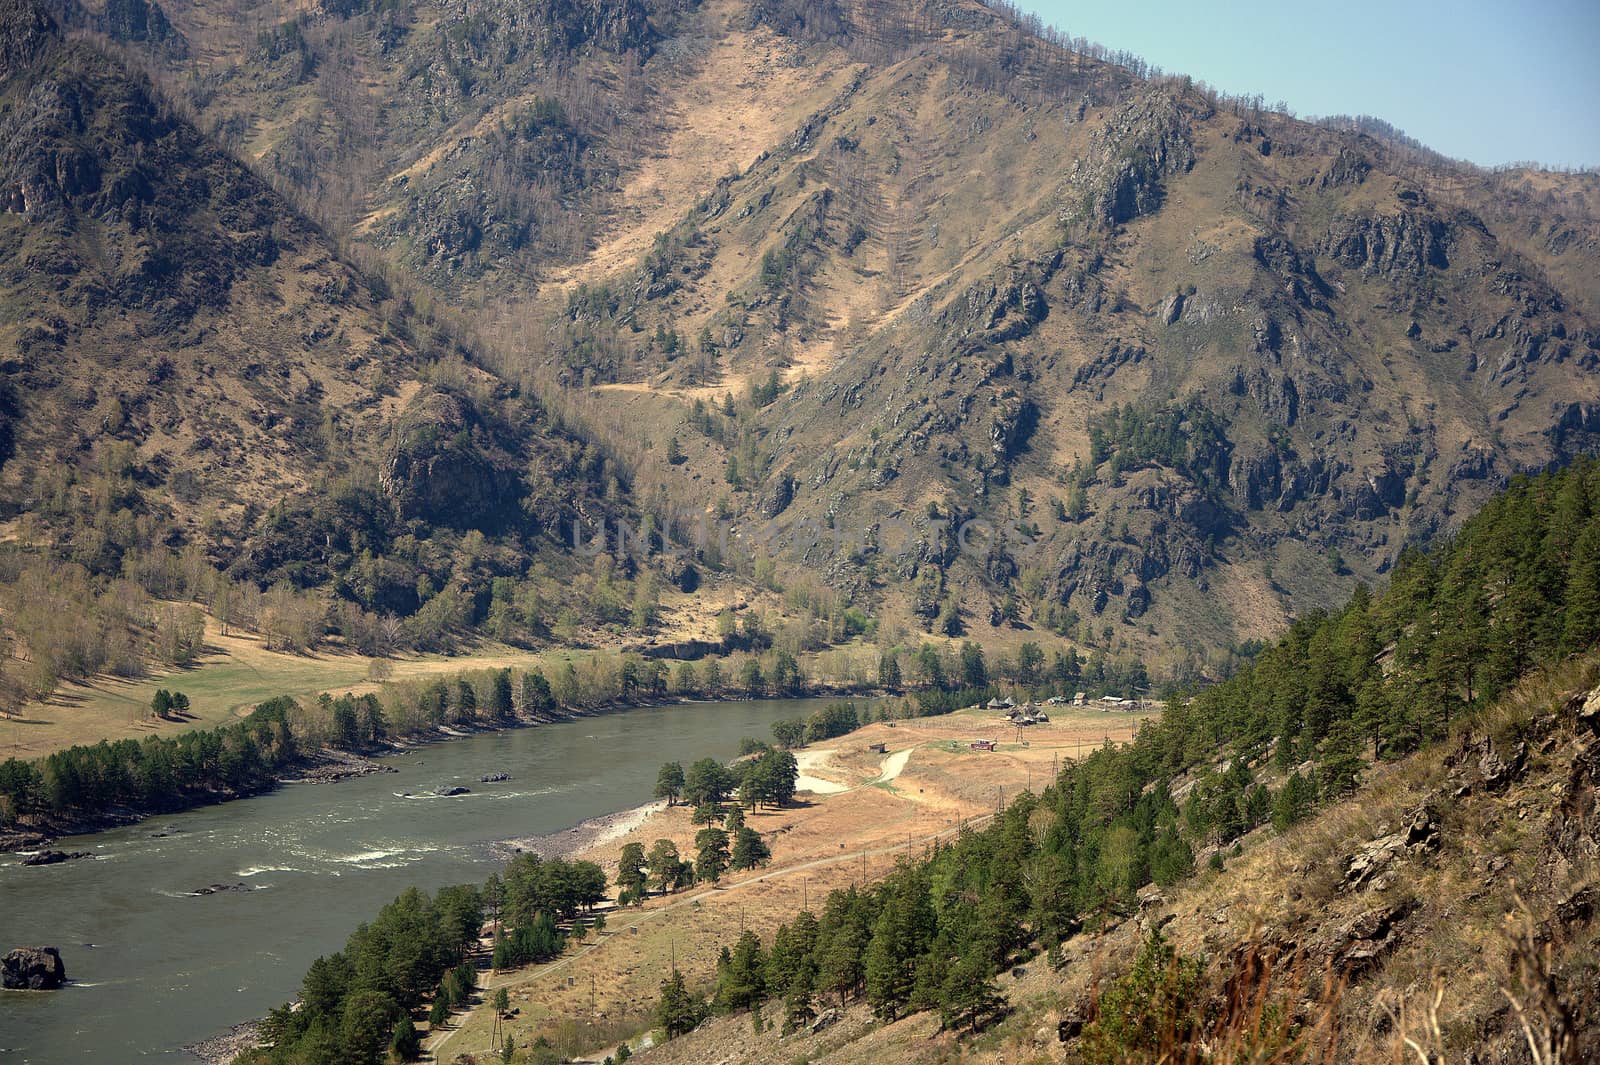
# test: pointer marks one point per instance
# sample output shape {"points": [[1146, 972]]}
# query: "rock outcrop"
{"points": [[1406, 242], [441, 466], [1143, 143], [1360, 943], [55, 857], [1370, 868], [32, 969]]}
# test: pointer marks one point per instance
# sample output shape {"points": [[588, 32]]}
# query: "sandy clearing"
{"points": [[806, 781], [809, 760]]}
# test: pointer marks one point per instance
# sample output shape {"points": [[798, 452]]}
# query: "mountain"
{"points": [[1203, 366], [872, 275], [192, 366], [1211, 365]]}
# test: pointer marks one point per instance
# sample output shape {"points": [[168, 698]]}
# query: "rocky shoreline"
{"points": [[221, 1049], [584, 836], [334, 766]]}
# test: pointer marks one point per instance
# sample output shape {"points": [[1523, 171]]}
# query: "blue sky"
{"points": [[1489, 82]]}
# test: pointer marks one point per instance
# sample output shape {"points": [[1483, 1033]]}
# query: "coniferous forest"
{"points": [[1517, 589]]}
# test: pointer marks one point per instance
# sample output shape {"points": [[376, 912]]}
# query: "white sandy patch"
{"points": [[806, 781], [587, 835]]}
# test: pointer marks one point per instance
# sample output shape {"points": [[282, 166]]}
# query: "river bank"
{"points": [[330, 765], [169, 966], [222, 1049], [585, 836]]}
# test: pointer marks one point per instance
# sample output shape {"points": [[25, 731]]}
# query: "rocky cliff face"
{"points": [[445, 467]]}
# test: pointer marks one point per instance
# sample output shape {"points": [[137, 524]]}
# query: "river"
{"points": [[154, 967]]}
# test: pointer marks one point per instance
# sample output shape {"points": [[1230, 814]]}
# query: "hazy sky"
{"points": [[1489, 82]]}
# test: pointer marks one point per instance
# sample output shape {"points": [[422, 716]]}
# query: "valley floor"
{"points": [[865, 811]]}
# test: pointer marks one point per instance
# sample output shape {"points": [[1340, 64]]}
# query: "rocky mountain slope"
{"points": [[189, 359], [1200, 366], [865, 274]]}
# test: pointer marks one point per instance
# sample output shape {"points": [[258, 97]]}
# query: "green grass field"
{"points": [[236, 673]]}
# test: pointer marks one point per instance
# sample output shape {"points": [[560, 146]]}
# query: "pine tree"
{"points": [[405, 1044], [749, 850], [466, 701], [970, 996], [537, 698], [1339, 762], [889, 671], [741, 984], [798, 1011], [669, 782], [711, 857], [1581, 625], [839, 964], [1171, 860], [502, 708], [663, 862], [677, 1013], [887, 968], [367, 1027], [632, 881], [1293, 802]]}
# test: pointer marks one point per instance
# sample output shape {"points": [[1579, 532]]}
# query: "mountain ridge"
{"points": [[1204, 366]]}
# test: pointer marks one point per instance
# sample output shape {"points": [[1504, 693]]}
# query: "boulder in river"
{"points": [[493, 778], [217, 889], [55, 857], [32, 969], [451, 789]]}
